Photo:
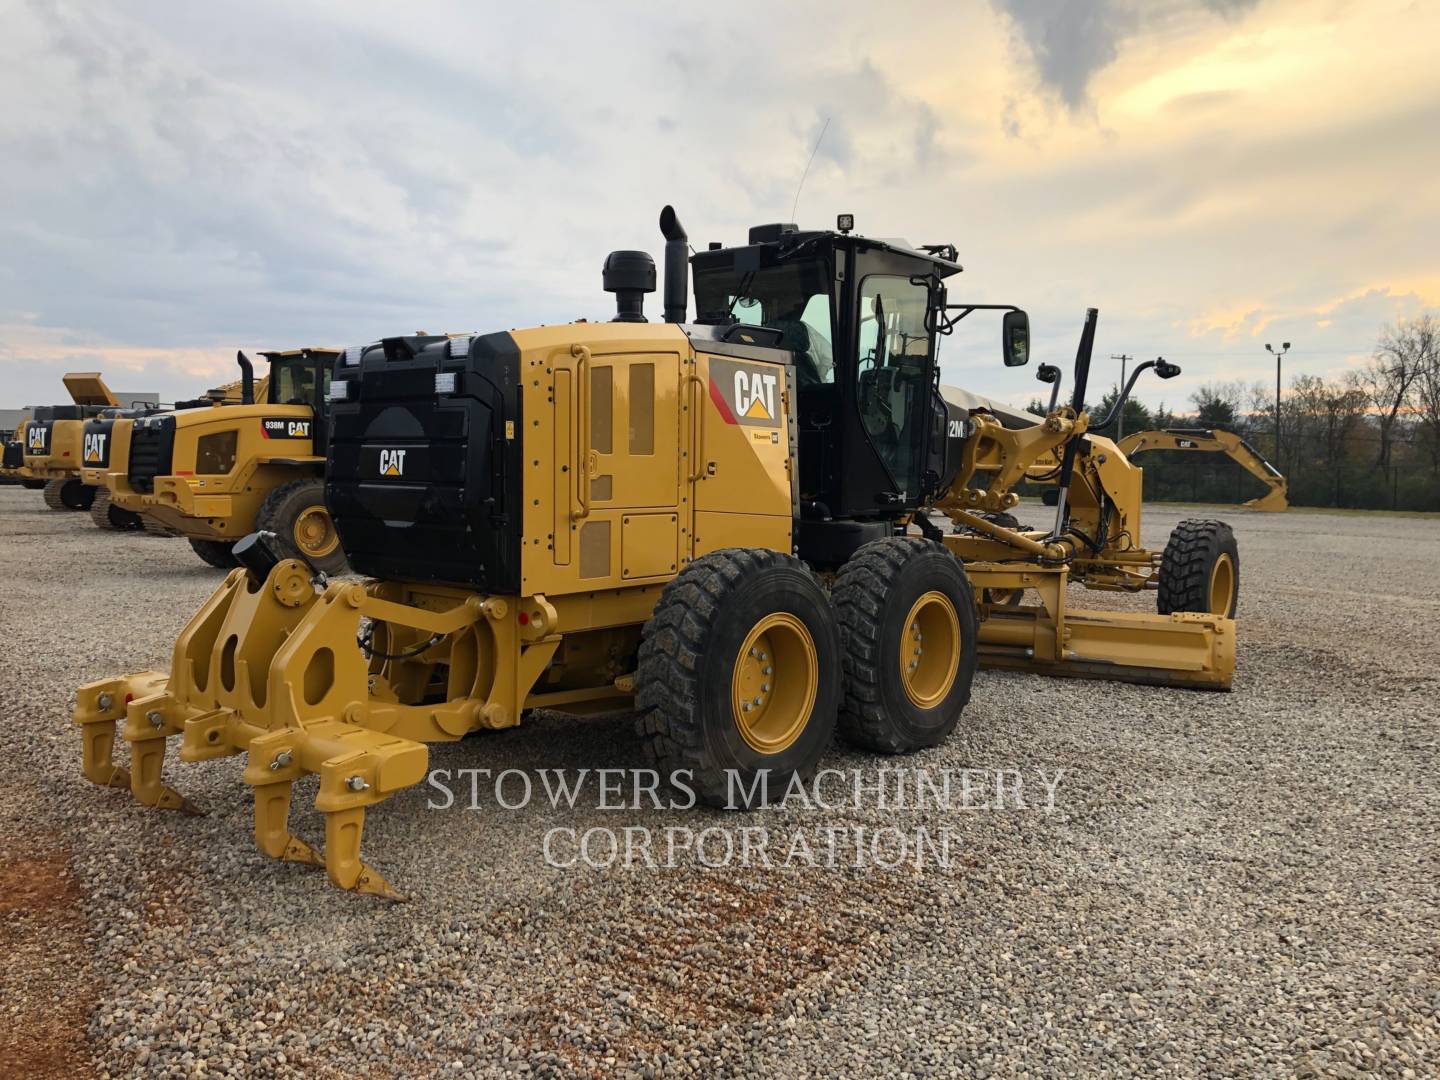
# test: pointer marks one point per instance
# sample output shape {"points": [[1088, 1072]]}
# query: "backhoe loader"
{"points": [[215, 471], [52, 441], [724, 523], [1216, 441]]}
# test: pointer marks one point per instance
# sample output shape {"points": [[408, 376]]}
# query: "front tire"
{"points": [[296, 514], [734, 678], [1200, 569], [908, 633]]}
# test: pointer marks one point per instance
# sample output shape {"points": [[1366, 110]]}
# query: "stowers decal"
{"points": [[748, 394], [284, 428]]}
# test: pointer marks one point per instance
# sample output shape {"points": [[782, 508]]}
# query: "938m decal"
{"points": [[273, 427]]}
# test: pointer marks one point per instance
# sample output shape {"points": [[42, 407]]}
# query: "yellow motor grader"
{"points": [[713, 521], [216, 471]]}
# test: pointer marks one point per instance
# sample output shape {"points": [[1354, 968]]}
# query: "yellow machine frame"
{"points": [[1180, 649]]}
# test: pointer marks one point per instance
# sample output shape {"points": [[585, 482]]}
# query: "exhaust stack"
{"points": [[677, 266], [247, 379]]}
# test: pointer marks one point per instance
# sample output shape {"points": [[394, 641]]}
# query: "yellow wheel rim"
{"points": [[1222, 585], [315, 533], [929, 650], [777, 675]]}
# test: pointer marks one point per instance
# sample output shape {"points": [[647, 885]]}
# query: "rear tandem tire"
{"points": [[296, 514], [1200, 569], [737, 627], [216, 553], [894, 597]]}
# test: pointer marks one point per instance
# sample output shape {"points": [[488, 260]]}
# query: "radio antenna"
{"points": [[794, 206]]}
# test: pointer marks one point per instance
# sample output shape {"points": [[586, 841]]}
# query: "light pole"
{"points": [[1284, 348], [1124, 358]]}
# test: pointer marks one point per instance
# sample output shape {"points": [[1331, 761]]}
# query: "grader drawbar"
{"points": [[713, 522]]}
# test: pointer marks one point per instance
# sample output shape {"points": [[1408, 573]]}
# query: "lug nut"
{"points": [[356, 783], [765, 688], [767, 670]]}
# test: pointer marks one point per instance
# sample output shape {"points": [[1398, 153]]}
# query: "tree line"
{"points": [[1369, 439]]}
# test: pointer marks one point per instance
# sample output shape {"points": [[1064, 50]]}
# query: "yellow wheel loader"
{"points": [[52, 441], [1217, 441], [711, 521], [215, 471], [107, 437]]}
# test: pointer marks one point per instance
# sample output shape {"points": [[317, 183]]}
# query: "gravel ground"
{"points": [[1241, 884]]}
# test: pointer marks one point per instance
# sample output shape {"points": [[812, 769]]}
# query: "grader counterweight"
{"points": [[706, 519]]}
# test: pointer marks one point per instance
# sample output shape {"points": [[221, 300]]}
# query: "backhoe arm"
{"points": [[1218, 442]]}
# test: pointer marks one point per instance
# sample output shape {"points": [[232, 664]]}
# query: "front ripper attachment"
{"points": [[272, 669]]}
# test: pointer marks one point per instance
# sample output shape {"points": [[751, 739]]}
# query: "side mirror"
{"points": [[1165, 369], [1015, 338], [1047, 373]]}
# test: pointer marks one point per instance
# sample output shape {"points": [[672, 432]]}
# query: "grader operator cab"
{"points": [[709, 520], [215, 471]]}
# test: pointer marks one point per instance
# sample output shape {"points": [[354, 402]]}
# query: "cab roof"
{"points": [[785, 239]]}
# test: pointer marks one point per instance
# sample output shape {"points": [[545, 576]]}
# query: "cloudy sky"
{"points": [[181, 179]]}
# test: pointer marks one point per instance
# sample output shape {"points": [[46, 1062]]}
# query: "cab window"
{"points": [[294, 382], [792, 297]]}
